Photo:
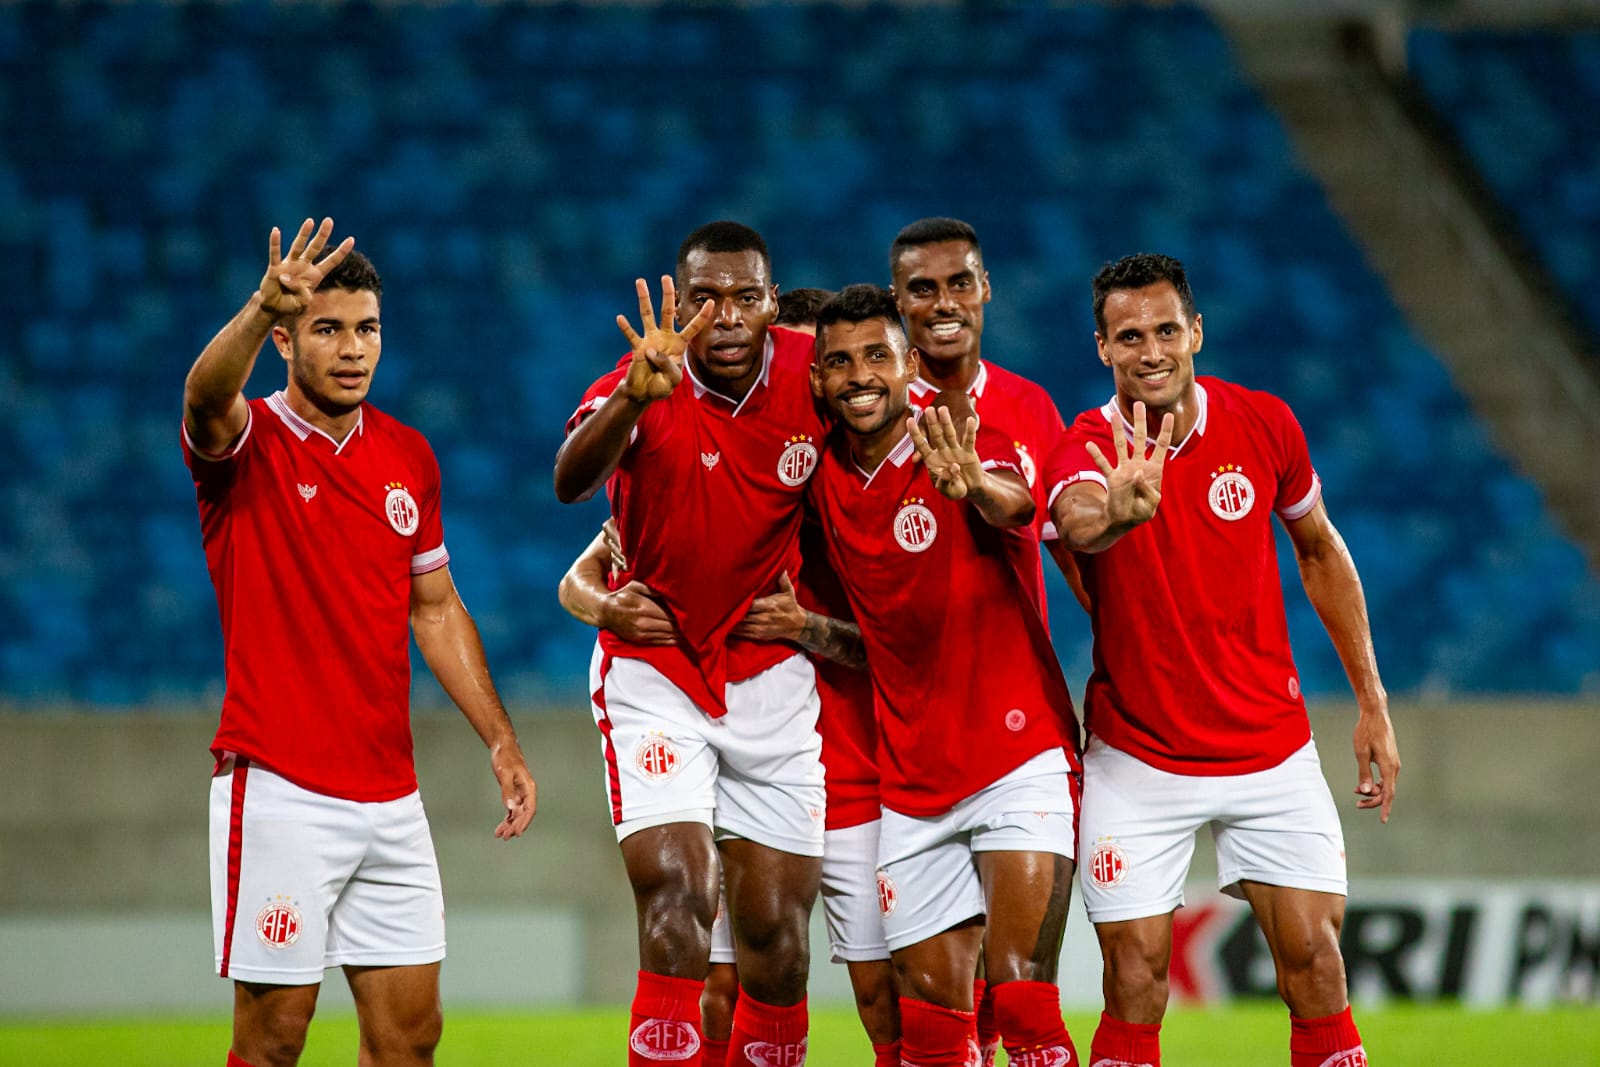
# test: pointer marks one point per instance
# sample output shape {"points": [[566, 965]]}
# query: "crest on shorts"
{"points": [[914, 525], [401, 508], [798, 460], [888, 894], [657, 757], [766, 1054], [278, 924], [1231, 495], [1108, 864], [665, 1040]]}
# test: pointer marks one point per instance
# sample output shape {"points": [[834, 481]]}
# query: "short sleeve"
{"points": [[428, 550], [1299, 488], [996, 452], [1070, 463], [216, 471]]}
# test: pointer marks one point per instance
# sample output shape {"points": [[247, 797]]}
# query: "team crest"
{"points": [[1029, 471], [1231, 496], [1041, 1057], [1016, 719], [278, 924], [710, 459], [914, 525], [799, 459], [665, 1040], [401, 509], [306, 491], [888, 895], [1355, 1057], [766, 1054], [1107, 864], [657, 758]]}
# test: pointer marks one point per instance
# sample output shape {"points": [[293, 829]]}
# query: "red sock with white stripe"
{"points": [[665, 1027], [988, 1031], [714, 1053], [931, 1036], [1331, 1041], [886, 1055], [1120, 1044], [1029, 1017], [234, 1060], [767, 1034]]}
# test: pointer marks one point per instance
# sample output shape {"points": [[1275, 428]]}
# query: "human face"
{"points": [[941, 289], [727, 354], [1150, 345], [863, 373], [332, 348]]}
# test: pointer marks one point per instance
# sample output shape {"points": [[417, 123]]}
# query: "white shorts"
{"points": [[301, 882], [1278, 826], [755, 773], [849, 899], [927, 876]]}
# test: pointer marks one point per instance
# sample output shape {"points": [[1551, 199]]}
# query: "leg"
{"points": [[770, 896], [935, 980], [270, 1021], [673, 871], [1137, 953], [1302, 930], [399, 1014], [717, 1005], [877, 999], [1026, 894]]}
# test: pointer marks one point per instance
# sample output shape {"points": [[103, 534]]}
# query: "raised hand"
{"points": [[951, 456], [1133, 483], [657, 365], [289, 282]]}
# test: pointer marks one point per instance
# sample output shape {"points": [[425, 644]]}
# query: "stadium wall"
{"points": [[1484, 885]]}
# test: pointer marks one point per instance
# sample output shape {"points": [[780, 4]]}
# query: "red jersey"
{"points": [[847, 723], [966, 683], [312, 546], [707, 500], [1023, 411], [1192, 668]]}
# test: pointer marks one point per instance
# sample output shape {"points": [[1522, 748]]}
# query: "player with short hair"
{"points": [[976, 776], [1194, 709], [705, 438], [320, 520]]}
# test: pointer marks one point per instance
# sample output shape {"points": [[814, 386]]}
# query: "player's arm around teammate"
{"points": [[780, 617], [629, 610]]}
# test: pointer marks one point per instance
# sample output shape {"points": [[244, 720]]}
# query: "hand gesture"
{"points": [[1133, 484], [778, 617], [1375, 743], [518, 792], [635, 615], [290, 280], [657, 365], [950, 456]]}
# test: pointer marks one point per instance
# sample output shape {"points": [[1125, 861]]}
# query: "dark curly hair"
{"points": [[1136, 272], [932, 231]]}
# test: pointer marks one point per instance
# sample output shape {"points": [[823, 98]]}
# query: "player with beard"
{"points": [[705, 438], [977, 779], [1194, 708]]}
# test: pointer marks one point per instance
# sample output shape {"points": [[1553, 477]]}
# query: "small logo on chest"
{"points": [[1231, 495], [401, 508], [914, 525], [710, 459], [306, 491], [798, 460]]}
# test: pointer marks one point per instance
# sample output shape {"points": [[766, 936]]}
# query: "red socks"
{"points": [[1331, 1041], [886, 1055], [1120, 1044], [1029, 1017], [931, 1036], [988, 1030], [665, 1027], [713, 1053], [235, 1061], [767, 1035]]}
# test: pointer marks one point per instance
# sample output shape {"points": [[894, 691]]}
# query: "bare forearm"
{"points": [[833, 639], [218, 377], [450, 645], [588, 457], [1003, 502], [583, 588], [1084, 525], [1334, 589]]}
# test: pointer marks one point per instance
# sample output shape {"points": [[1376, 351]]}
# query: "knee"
{"points": [[412, 1037], [1311, 977], [878, 1007], [1135, 979], [272, 1038], [718, 1000], [676, 917]]}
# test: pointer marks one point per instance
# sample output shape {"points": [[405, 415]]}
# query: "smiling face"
{"points": [[332, 348], [1150, 344], [941, 288], [863, 373], [727, 354]]}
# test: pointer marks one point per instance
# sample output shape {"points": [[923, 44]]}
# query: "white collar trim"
{"points": [[1112, 410], [922, 388], [279, 403], [701, 389], [898, 456]]}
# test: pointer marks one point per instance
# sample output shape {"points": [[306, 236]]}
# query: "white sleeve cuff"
{"points": [[1082, 476], [1301, 508], [424, 562]]}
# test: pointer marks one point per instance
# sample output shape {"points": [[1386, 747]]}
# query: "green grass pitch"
{"points": [[1236, 1036]]}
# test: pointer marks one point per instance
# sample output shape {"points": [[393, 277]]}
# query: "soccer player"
{"points": [[320, 519], [1194, 708], [976, 776], [706, 438]]}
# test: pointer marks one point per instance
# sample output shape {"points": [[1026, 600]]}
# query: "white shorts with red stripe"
{"points": [[927, 868], [301, 882], [1278, 827], [755, 773]]}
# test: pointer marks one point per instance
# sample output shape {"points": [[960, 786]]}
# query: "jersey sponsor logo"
{"points": [[306, 491], [798, 460], [1231, 495], [1350, 1057], [710, 459], [401, 509], [1016, 719], [888, 895], [766, 1054], [1108, 865], [914, 525], [657, 758], [665, 1040], [278, 923], [1029, 471], [1042, 1057]]}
